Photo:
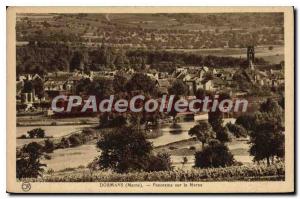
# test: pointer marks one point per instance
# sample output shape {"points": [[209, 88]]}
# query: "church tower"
{"points": [[250, 57]]}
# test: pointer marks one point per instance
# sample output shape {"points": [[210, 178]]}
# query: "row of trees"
{"points": [[41, 59], [266, 130], [121, 84]]}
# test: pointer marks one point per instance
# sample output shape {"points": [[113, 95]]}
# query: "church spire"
{"points": [[250, 57]]}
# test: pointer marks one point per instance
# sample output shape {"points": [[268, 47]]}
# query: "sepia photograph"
{"points": [[150, 99]]}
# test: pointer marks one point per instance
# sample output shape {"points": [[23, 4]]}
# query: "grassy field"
{"points": [[72, 157]]}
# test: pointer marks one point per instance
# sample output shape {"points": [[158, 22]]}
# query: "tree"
{"points": [[119, 83], [201, 94], [247, 121], [64, 143], [178, 88], [27, 88], [49, 146], [28, 161], [82, 85], [75, 140], [267, 127], [216, 154], [38, 86], [141, 82], [159, 162], [184, 161], [215, 119], [281, 101], [40, 133], [31, 133], [124, 149], [104, 120], [76, 62], [271, 111], [101, 88], [222, 134], [267, 141], [237, 130], [270, 106], [202, 131], [36, 133]]}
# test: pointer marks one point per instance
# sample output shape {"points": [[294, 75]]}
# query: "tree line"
{"points": [[41, 58]]}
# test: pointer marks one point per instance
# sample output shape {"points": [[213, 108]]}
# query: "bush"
{"points": [[216, 154], [22, 137], [160, 162], [50, 171], [47, 157], [89, 132], [40, 133], [75, 140], [192, 148], [36, 133], [222, 134], [64, 143]]}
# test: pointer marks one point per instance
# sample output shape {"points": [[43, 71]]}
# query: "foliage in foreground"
{"points": [[234, 173], [28, 161], [216, 154], [125, 149]]}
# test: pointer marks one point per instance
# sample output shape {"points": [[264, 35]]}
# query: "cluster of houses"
{"points": [[195, 77]]}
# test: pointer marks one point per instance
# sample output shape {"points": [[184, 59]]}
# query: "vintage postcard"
{"points": [[150, 100]]}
